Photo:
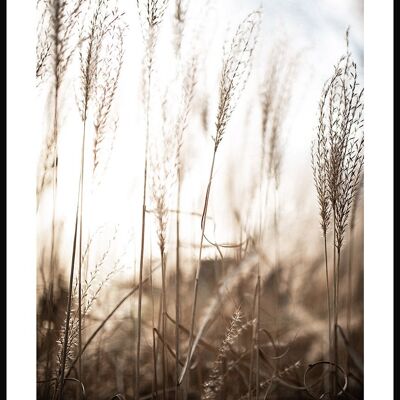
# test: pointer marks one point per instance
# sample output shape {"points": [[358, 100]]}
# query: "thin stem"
{"points": [[328, 296], [71, 278], [69, 304], [196, 282], [55, 182], [53, 265], [155, 384], [334, 381], [82, 174], [277, 259], [277, 271], [258, 333], [159, 327], [139, 326], [253, 340], [258, 287], [177, 284], [349, 290], [336, 350], [153, 326], [164, 320]]}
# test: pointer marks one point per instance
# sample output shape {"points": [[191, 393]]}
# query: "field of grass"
{"points": [[193, 242]]}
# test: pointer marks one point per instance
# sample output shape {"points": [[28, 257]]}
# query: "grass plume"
{"points": [[337, 163]]}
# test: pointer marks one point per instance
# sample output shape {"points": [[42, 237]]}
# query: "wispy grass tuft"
{"points": [[338, 163], [215, 381]]}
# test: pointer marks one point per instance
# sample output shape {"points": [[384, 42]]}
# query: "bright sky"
{"points": [[314, 30]]}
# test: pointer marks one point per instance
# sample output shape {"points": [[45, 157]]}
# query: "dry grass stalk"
{"points": [[151, 13], [94, 61], [91, 62], [338, 163], [55, 48], [188, 86], [235, 72], [319, 161], [163, 169], [189, 72]]}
